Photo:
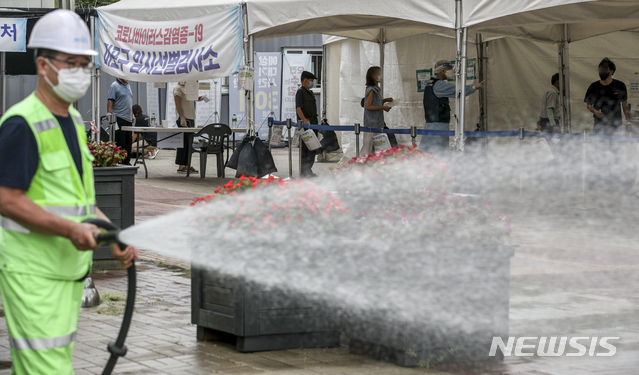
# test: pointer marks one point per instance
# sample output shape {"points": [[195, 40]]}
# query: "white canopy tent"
{"points": [[381, 21]]}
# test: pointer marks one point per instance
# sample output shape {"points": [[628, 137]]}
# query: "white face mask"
{"points": [[71, 85], [450, 74], [311, 85], [379, 79]]}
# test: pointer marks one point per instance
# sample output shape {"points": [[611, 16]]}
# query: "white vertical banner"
{"points": [[170, 113], [152, 101], [293, 66], [208, 112], [268, 78], [237, 103]]}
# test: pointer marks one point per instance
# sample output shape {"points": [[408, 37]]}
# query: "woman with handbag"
{"points": [[373, 107]]}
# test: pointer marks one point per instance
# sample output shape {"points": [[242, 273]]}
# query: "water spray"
{"points": [[117, 347]]}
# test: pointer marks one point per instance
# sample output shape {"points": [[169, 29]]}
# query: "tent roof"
{"points": [[360, 19], [543, 20]]}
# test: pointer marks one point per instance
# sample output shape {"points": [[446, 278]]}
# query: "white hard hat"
{"points": [[64, 31]]}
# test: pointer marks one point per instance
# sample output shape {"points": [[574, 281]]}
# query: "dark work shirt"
{"points": [[305, 99], [607, 99], [19, 156]]}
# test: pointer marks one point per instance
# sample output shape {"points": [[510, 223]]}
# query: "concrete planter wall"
{"points": [[115, 196], [257, 319], [470, 298]]}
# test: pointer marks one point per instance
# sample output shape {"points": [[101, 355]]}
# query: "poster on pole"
{"points": [[152, 101], [423, 76], [191, 49], [471, 69], [268, 78], [293, 66], [13, 34], [237, 103]]}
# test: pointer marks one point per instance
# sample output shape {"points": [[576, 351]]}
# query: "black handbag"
{"points": [[329, 141]]}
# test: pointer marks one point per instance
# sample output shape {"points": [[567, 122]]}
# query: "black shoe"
{"points": [[309, 175]]}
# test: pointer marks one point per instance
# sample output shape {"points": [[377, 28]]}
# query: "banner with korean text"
{"points": [[172, 51], [13, 34]]}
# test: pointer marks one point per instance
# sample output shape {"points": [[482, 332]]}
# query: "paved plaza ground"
{"points": [[575, 273]]}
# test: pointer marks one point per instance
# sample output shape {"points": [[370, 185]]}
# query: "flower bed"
{"points": [[106, 154]]}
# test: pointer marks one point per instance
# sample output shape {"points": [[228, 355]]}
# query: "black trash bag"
{"points": [[329, 140], [391, 137], [247, 161], [233, 160], [265, 162]]}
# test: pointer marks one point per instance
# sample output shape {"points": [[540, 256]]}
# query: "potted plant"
{"points": [[457, 284], [114, 188], [259, 316]]}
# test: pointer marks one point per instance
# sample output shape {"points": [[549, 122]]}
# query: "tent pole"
{"points": [[482, 69], [251, 107], [324, 80], [560, 62], [382, 56], [3, 57], [567, 78], [460, 66]]}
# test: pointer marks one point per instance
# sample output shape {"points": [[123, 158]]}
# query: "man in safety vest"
{"points": [[46, 191], [437, 94]]}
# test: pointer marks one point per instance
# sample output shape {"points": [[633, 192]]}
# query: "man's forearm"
{"points": [[18, 207], [300, 114], [591, 108], [626, 110], [109, 105]]}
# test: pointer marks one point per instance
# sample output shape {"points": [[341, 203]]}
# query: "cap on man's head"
{"points": [[308, 75], [441, 65]]}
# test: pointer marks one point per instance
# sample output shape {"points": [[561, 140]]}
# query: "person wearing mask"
{"points": [[185, 110], [306, 108], [607, 99], [437, 94], [373, 107], [149, 140], [550, 111], [46, 192], [120, 102]]}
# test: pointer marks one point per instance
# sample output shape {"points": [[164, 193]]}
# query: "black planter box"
{"points": [[469, 307], [257, 319], [115, 196]]}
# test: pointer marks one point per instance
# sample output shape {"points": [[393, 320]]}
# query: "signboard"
{"points": [[13, 34], [180, 50], [293, 66], [471, 69], [423, 76], [152, 102], [634, 87], [268, 78]]}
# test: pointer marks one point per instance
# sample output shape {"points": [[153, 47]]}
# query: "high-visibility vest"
{"points": [[59, 189]]}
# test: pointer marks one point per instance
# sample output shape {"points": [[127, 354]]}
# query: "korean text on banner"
{"points": [[294, 65], [13, 34], [180, 50], [268, 76]]}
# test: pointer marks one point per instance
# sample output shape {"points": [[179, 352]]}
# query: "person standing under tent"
{"points": [[46, 191], [120, 102], [550, 111], [437, 94], [185, 110], [607, 98], [306, 108], [373, 107]]}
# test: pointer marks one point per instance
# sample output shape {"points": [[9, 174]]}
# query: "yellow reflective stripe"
{"points": [[39, 344], [45, 125], [70, 210], [8, 224]]}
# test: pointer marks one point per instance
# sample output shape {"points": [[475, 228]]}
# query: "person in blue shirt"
{"points": [[120, 102], [437, 94]]}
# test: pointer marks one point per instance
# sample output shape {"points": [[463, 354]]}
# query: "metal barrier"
{"points": [[413, 131]]}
